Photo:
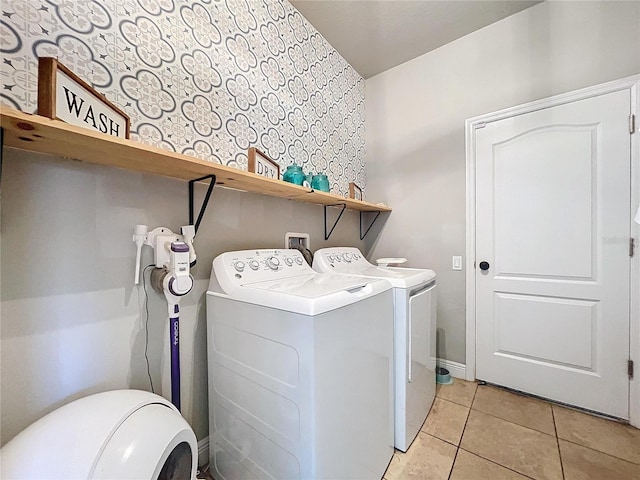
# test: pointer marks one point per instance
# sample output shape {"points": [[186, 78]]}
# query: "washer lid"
{"points": [[350, 261], [311, 294], [309, 286], [282, 279]]}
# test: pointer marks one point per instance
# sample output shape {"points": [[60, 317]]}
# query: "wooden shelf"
{"points": [[40, 134]]}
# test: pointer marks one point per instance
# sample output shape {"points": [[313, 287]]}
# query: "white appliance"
{"points": [[116, 435], [414, 333], [300, 370]]}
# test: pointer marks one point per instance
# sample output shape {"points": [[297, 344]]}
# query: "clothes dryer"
{"points": [[300, 370], [414, 333]]}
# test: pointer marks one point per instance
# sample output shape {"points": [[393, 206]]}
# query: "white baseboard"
{"points": [[457, 370], [203, 452]]}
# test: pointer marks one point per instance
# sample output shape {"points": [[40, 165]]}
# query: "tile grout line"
{"points": [[453, 463], [554, 435], [599, 451], [455, 457], [444, 439], [453, 401], [512, 423], [441, 439], [555, 428], [496, 463], [517, 424], [586, 446], [553, 416], [521, 426], [504, 389], [395, 451]]}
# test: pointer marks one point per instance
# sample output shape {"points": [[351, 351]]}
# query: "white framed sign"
{"points": [[62, 95], [262, 165]]}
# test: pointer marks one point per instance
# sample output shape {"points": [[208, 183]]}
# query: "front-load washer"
{"points": [[414, 333], [120, 434], [300, 370]]}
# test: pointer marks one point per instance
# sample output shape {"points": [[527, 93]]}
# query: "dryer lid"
{"points": [[398, 277], [350, 261]]}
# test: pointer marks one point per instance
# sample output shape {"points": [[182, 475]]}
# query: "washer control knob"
{"points": [[331, 258], [254, 265], [288, 261], [299, 260], [239, 266], [347, 257], [339, 257], [273, 263]]}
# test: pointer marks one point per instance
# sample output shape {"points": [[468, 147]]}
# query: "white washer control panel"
{"points": [[249, 266]]}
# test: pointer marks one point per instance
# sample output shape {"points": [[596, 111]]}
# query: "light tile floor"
{"points": [[486, 433]]}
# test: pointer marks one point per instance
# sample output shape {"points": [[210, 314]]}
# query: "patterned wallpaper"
{"points": [[207, 78]]}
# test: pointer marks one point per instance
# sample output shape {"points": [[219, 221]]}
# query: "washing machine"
{"points": [[414, 333], [300, 370], [116, 435]]}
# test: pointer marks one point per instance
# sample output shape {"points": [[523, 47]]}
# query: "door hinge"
{"points": [[632, 123], [630, 369], [632, 246]]}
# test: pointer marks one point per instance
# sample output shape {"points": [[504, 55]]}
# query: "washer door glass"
{"points": [[178, 464]]}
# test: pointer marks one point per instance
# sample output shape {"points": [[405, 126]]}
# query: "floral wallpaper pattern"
{"points": [[207, 78]]}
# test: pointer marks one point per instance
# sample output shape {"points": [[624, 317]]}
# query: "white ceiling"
{"points": [[376, 35]]}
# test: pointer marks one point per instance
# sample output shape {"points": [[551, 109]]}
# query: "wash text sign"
{"points": [[62, 95]]}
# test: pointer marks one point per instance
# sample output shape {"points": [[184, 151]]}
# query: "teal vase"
{"points": [[294, 174], [320, 182]]}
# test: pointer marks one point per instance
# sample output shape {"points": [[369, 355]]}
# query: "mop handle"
{"points": [[174, 340]]}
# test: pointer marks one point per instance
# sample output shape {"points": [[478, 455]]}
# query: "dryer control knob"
{"points": [[288, 261], [273, 263], [347, 257], [331, 258], [239, 266], [299, 260], [254, 265]]}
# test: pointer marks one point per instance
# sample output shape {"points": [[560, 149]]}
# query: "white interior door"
{"points": [[552, 223]]}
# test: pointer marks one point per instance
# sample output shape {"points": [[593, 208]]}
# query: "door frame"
{"points": [[632, 84]]}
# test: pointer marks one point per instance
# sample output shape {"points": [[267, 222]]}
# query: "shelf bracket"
{"points": [[344, 206], [205, 202], [362, 235], [1, 150]]}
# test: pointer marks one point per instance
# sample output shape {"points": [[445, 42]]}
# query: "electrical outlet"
{"points": [[456, 264]]}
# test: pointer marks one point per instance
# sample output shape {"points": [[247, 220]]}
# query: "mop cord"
{"points": [[146, 324]]}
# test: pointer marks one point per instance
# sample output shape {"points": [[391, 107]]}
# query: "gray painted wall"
{"points": [[72, 321], [415, 124]]}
